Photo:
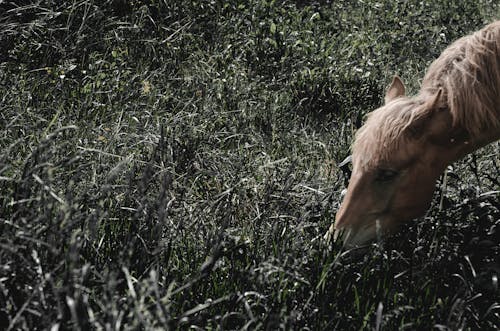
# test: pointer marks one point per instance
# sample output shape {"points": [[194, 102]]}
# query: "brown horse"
{"points": [[406, 144]]}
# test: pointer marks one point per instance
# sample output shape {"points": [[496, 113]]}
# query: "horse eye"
{"points": [[386, 175]]}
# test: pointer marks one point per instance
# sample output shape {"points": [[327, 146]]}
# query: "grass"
{"points": [[172, 165]]}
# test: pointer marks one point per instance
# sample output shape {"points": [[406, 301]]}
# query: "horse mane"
{"points": [[468, 72], [468, 75]]}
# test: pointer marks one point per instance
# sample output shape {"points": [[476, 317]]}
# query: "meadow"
{"points": [[173, 164]]}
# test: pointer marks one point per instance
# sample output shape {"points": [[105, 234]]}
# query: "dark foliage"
{"points": [[172, 164]]}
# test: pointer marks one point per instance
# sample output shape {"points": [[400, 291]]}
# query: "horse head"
{"points": [[397, 157]]}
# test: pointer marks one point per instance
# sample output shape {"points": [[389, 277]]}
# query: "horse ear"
{"points": [[435, 101], [423, 121], [397, 89], [441, 125]]}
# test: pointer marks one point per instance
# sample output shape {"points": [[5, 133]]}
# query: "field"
{"points": [[172, 164]]}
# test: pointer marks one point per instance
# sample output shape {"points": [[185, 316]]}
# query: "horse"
{"points": [[405, 145]]}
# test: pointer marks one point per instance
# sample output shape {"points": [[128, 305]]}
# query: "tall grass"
{"points": [[172, 165]]}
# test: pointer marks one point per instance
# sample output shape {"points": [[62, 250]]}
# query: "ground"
{"points": [[173, 165]]}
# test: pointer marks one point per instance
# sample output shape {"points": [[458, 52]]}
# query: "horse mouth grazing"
{"points": [[356, 237]]}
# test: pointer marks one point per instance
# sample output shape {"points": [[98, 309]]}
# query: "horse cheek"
{"points": [[416, 194]]}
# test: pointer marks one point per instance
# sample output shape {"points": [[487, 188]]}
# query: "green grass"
{"points": [[172, 165]]}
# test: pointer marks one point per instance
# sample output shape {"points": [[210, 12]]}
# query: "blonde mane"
{"points": [[468, 75], [382, 134]]}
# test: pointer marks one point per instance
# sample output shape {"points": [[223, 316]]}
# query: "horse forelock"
{"points": [[383, 134]]}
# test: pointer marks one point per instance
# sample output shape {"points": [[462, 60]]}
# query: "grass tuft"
{"points": [[173, 165]]}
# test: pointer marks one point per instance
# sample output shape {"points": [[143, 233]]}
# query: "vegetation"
{"points": [[172, 164]]}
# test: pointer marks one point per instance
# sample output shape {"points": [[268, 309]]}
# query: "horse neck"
{"points": [[461, 143], [455, 141]]}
